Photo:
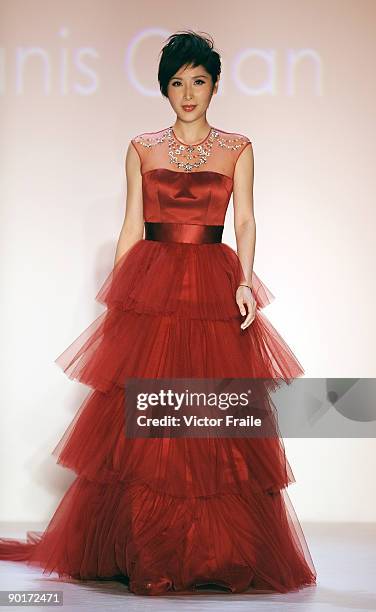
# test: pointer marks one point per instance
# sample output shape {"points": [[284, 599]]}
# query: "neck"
{"points": [[191, 132]]}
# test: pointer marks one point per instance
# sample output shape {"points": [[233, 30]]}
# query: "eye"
{"points": [[179, 82]]}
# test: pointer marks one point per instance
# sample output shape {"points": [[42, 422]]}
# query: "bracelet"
{"points": [[242, 285]]}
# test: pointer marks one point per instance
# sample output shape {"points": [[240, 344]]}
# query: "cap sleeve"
{"points": [[136, 142], [151, 148], [243, 142]]}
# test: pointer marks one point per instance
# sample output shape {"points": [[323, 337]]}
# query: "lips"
{"points": [[189, 107]]}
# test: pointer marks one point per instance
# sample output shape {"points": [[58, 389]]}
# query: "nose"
{"points": [[187, 94]]}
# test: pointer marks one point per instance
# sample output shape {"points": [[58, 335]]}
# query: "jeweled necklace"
{"points": [[189, 156]]}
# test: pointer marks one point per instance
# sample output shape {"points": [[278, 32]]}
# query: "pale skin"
{"points": [[194, 86]]}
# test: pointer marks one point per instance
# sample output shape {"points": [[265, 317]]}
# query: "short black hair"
{"points": [[187, 47]]}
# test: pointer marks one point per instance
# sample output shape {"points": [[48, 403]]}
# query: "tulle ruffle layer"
{"points": [[121, 344], [167, 544], [95, 447], [171, 312], [195, 281]]}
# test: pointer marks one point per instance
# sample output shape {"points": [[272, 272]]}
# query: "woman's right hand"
{"points": [[244, 298]]}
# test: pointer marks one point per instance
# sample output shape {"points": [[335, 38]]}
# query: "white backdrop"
{"points": [[77, 81]]}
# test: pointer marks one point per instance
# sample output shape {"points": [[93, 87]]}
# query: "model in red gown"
{"points": [[173, 514]]}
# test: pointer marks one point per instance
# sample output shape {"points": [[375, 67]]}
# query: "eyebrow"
{"points": [[205, 76]]}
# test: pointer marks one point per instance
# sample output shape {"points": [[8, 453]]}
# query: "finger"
{"points": [[251, 308], [241, 307], [246, 325], [248, 320]]}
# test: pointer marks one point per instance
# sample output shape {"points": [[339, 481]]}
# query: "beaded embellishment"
{"points": [[190, 156]]}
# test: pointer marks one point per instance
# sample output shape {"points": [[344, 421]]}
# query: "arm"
{"points": [[245, 230], [133, 224], [244, 220]]}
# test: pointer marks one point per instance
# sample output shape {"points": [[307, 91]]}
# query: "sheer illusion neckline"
{"points": [[191, 144]]}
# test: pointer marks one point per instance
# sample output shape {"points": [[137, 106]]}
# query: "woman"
{"points": [[176, 513]]}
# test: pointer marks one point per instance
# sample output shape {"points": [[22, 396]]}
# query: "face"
{"points": [[191, 86]]}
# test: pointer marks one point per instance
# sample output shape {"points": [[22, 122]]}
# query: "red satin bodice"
{"points": [[198, 196]]}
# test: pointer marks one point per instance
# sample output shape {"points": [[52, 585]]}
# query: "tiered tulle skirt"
{"points": [[170, 514]]}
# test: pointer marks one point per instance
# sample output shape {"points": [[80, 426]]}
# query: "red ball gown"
{"points": [[163, 514]]}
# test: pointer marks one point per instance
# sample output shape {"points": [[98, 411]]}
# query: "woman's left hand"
{"points": [[244, 297]]}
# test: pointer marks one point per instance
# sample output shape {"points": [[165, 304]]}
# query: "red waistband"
{"points": [[183, 232]]}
